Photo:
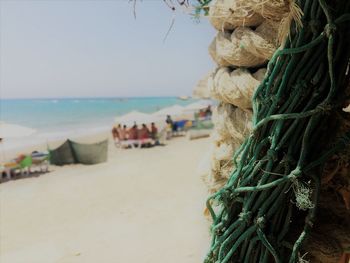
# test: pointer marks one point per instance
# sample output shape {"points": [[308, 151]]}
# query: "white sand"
{"points": [[144, 205]]}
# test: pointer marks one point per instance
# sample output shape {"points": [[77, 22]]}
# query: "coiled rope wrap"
{"points": [[277, 174]]}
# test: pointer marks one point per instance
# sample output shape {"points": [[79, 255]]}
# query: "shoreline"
{"points": [[76, 123]]}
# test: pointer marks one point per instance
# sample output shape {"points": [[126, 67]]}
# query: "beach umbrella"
{"points": [[136, 117], [199, 105], [176, 112], [172, 111], [8, 130]]}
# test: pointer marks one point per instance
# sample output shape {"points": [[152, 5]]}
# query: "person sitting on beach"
{"points": [[124, 136], [143, 133], [115, 133], [169, 121], [119, 129], [168, 130], [133, 133], [154, 133], [202, 114], [123, 132], [208, 112], [172, 124]]}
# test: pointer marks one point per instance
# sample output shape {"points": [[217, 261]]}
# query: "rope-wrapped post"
{"points": [[268, 207]]}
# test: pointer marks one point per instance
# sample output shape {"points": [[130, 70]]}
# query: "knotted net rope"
{"points": [[276, 181]]}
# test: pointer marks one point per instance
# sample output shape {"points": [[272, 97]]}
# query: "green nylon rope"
{"points": [[279, 164]]}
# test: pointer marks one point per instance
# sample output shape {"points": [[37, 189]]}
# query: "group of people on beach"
{"points": [[206, 113], [142, 135], [125, 137]]}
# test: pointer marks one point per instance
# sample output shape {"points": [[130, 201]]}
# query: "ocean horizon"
{"points": [[55, 118]]}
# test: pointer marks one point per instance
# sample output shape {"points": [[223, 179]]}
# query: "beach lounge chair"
{"points": [[136, 143], [5, 170], [130, 144], [201, 129], [180, 128], [203, 125], [10, 168], [146, 142], [23, 166], [127, 144], [40, 161], [163, 136]]}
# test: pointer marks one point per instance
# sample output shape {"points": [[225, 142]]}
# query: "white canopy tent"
{"points": [[12, 132], [174, 110], [199, 105], [8, 130], [137, 117]]}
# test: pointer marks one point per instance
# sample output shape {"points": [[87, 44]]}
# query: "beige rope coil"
{"points": [[231, 123], [235, 87], [229, 14], [243, 48]]}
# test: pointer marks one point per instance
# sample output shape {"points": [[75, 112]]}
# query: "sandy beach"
{"points": [[143, 205]]}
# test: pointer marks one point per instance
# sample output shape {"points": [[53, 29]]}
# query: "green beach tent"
{"points": [[62, 155], [90, 153], [71, 152]]}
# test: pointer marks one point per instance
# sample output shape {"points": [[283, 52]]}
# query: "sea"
{"points": [[57, 118]]}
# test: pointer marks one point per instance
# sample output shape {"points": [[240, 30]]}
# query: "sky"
{"points": [[85, 48]]}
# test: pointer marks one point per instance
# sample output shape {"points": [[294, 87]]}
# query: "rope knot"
{"points": [[233, 195], [330, 29], [226, 193], [245, 216], [218, 229], [295, 174], [260, 222], [324, 107]]}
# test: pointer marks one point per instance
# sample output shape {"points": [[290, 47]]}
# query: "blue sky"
{"points": [[83, 48]]}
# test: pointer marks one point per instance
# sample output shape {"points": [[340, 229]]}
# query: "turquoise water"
{"points": [[54, 116]]}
